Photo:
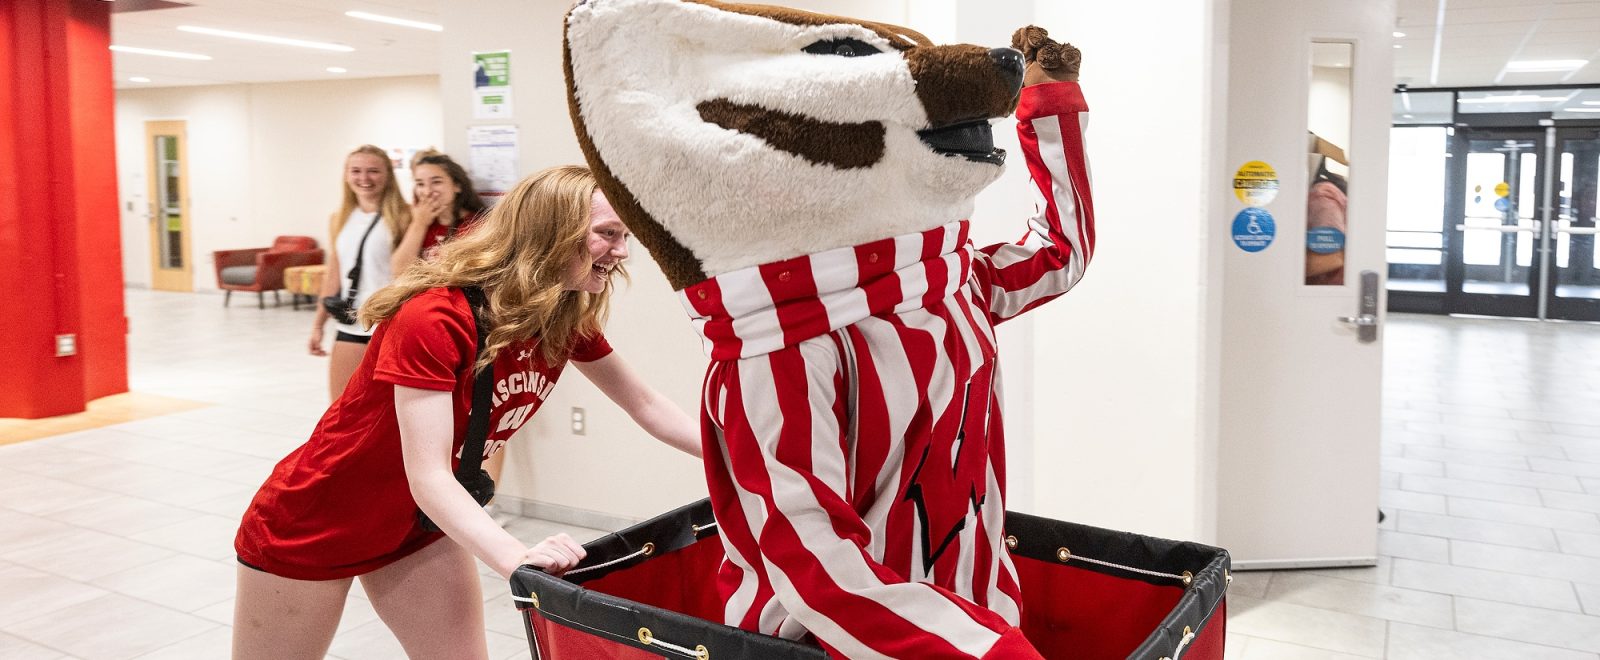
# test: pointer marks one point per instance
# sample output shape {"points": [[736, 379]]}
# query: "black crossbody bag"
{"points": [[343, 309], [470, 472]]}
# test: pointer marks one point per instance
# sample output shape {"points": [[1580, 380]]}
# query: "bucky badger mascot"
{"points": [[804, 182]]}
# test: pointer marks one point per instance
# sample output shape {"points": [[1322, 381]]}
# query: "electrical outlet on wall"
{"points": [[580, 422], [66, 345]]}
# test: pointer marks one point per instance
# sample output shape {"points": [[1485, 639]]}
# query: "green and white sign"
{"points": [[491, 85]]}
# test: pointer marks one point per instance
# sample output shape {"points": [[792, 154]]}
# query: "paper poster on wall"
{"points": [[400, 159], [492, 160], [491, 85]]}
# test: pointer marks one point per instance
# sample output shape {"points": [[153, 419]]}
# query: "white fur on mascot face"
{"points": [[640, 70]]}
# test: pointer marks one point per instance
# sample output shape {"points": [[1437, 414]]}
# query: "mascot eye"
{"points": [[842, 48]]}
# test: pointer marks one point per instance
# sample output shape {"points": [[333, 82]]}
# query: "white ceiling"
{"points": [[380, 49], [1480, 36], [1477, 39]]}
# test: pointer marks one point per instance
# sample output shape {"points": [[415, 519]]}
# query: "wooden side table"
{"points": [[303, 281]]}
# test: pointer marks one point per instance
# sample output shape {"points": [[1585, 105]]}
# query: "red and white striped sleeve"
{"points": [[781, 420], [1016, 277]]}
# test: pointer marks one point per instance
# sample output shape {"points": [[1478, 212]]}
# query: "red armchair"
{"points": [[261, 269]]}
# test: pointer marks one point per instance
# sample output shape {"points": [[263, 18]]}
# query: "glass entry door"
{"points": [[1573, 284], [1493, 257]]}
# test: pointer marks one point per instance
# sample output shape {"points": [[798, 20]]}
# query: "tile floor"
{"points": [[1491, 459], [115, 542]]}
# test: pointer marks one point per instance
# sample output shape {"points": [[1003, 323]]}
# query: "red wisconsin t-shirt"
{"points": [[340, 505]]}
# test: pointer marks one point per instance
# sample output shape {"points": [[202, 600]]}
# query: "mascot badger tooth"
{"points": [[804, 183]]}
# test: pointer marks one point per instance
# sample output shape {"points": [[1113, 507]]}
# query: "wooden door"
{"points": [[172, 267]]}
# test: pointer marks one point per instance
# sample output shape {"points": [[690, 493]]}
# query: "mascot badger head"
{"points": [[729, 135]]}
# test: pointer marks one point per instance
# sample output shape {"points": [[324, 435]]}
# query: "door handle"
{"points": [[1366, 319]]}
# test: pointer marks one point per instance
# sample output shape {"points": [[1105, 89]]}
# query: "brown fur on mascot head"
{"points": [[724, 140]]}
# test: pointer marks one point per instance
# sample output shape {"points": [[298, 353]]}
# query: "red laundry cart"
{"points": [[649, 591]]}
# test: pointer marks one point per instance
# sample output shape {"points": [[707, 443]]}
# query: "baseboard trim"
{"points": [[561, 513], [1321, 562]]}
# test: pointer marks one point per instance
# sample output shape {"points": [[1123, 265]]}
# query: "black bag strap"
{"points": [[361, 252], [482, 392]]}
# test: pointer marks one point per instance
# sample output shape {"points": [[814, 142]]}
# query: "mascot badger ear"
{"points": [[728, 136]]}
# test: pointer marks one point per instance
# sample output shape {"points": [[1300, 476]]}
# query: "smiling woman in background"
{"points": [[369, 225], [443, 205]]}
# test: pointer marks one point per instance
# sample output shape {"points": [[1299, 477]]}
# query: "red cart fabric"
{"points": [[649, 592]]}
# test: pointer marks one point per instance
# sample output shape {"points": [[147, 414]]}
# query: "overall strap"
{"points": [[482, 392]]}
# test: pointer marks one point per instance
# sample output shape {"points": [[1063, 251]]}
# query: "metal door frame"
{"points": [[1456, 300]]}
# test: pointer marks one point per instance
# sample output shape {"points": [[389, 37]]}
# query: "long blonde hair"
{"points": [[396, 213], [521, 254]]}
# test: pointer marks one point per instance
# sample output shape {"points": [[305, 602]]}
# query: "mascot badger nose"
{"points": [[962, 87], [1010, 62]]}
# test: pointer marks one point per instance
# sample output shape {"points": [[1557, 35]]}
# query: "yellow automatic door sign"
{"points": [[1256, 183]]}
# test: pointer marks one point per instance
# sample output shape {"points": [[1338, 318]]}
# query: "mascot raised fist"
{"points": [[804, 182]]}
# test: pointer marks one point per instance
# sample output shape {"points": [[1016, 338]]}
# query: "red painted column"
{"points": [[60, 251]]}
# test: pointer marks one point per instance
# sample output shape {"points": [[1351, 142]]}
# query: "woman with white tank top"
{"points": [[369, 223]]}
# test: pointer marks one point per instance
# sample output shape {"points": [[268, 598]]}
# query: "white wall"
{"points": [[264, 160], [1124, 370]]}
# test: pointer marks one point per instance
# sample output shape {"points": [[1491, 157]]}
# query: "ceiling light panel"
{"points": [[420, 25], [1544, 66], [159, 53], [265, 38]]}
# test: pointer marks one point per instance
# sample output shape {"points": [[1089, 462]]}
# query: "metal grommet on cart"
{"points": [[1063, 554], [1011, 543], [533, 599], [649, 548], [701, 651], [645, 637], [1188, 579]]}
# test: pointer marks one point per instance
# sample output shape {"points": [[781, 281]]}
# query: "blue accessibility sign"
{"points": [[1253, 229], [1324, 240]]}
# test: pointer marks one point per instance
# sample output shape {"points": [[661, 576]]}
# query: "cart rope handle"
{"points": [[1181, 578], [1065, 555], [1188, 636], [648, 549], [649, 639]]}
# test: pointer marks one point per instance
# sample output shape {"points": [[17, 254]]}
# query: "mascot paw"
{"points": [[1048, 60]]}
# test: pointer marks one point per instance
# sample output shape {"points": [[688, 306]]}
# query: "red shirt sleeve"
{"points": [[589, 349], [426, 343]]}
